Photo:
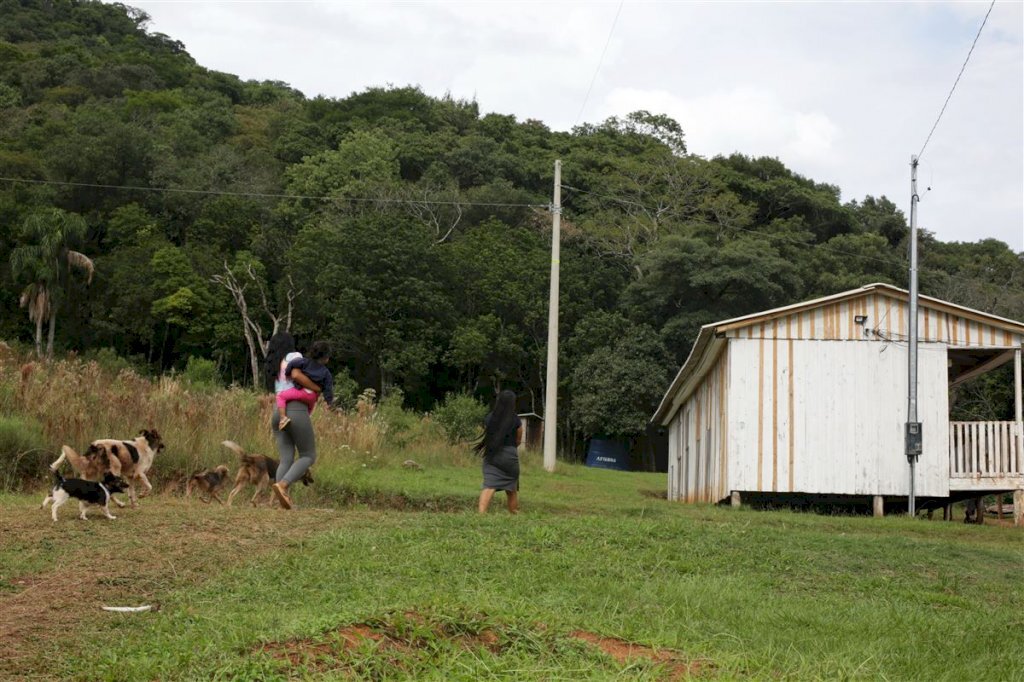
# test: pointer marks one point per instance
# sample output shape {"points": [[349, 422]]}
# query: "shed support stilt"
{"points": [[1018, 508], [879, 506], [734, 499], [947, 512]]}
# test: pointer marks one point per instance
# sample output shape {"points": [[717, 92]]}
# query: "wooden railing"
{"points": [[984, 449]]}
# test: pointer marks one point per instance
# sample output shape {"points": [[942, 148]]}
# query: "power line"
{"points": [[599, 63], [270, 195], [948, 97], [797, 242]]}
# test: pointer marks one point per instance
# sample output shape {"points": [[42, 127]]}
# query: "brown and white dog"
{"points": [[130, 459], [209, 481], [258, 470]]}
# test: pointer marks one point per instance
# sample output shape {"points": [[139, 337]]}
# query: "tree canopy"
{"points": [[410, 231]]}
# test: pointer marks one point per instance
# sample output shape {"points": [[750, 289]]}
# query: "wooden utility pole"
{"points": [[551, 392]]}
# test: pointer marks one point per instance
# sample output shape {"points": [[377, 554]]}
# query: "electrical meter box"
{"points": [[914, 442]]}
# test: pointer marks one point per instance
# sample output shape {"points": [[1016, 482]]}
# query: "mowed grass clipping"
{"points": [[262, 594]]}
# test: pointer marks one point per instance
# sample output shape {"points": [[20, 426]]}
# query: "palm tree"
{"points": [[45, 259]]}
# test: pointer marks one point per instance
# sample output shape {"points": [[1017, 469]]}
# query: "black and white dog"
{"points": [[86, 492]]}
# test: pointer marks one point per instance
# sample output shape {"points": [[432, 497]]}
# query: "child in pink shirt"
{"points": [[286, 391]]}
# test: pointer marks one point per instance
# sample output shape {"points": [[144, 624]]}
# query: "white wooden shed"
{"points": [[811, 399]]}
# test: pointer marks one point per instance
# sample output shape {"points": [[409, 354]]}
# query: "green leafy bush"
{"points": [[459, 417], [108, 360], [201, 372], [24, 455], [400, 425], [345, 390]]}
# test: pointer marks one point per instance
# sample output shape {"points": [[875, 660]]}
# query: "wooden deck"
{"points": [[985, 456]]}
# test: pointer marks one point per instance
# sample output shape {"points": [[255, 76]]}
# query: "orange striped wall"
{"points": [[887, 319], [698, 440]]}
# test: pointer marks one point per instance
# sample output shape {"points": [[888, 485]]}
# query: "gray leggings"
{"points": [[298, 436]]}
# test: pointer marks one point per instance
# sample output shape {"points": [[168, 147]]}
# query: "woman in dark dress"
{"points": [[503, 432]]}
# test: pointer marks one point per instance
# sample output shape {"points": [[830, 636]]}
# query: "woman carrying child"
{"points": [[298, 438]]}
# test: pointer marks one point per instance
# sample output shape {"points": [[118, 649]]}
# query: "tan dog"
{"points": [[257, 470], [209, 481], [130, 459]]}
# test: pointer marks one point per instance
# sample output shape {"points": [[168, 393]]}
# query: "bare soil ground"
{"points": [[54, 577]]}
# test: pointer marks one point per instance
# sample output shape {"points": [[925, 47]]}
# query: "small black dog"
{"points": [[86, 492]]}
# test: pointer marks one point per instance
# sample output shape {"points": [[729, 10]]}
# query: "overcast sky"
{"points": [[843, 93]]}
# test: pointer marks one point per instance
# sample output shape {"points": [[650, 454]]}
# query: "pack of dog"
{"points": [[129, 459], [257, 470], [111, 466], [97, 493]]}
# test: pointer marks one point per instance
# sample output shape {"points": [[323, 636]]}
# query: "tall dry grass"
{"points": [[76, 401]]}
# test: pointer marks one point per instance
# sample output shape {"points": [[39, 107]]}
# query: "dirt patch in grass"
{"points": [[397, 640], [403, 634], [679, 667], [54, 577]]}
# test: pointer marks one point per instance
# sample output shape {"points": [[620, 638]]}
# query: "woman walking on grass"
{"points": [[503, 432], [298, 438]]}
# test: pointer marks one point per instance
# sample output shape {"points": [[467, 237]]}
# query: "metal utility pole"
{"points": [[913, 440], [551, 393]]}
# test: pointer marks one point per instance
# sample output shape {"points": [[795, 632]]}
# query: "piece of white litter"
{"points": [[130, 609]]}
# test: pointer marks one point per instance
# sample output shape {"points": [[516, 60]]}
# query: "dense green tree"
{"points": [[423, 252], [44, 258], [616, 387]]}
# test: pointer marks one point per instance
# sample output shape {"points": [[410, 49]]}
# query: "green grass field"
{"points": [[387, 573]]}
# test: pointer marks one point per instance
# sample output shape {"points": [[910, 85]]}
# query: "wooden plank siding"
{"points": [[813, 416], [697, 440], [887, 320], [788, 401]]}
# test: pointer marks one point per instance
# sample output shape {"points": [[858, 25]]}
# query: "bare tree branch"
{"points": [[255, 338]]}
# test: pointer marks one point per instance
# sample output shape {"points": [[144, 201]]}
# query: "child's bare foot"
{"points": [[283, 424]]}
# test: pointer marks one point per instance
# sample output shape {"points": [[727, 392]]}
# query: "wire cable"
{"points": [[269, 195], [950, 95], [600, 61], [796, 242]]}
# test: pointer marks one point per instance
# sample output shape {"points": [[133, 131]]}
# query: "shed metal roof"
{"points": [[709, 344]]}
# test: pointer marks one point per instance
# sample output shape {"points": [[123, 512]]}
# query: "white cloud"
{"points": [[749, 120]]}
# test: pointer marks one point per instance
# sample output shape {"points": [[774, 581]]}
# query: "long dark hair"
{"points": [[320, 352], [499, 423], [280, 345]]}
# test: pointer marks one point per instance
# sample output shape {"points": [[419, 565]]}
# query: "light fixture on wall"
{"points": [[860, 319]]}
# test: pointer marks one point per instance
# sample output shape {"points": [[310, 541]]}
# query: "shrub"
{"points": [[24, 454], [108, 360], [399, 424], [459, 417], [345, 390], [201, 372]]}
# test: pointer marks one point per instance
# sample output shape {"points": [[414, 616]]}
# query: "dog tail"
{"points": [[234, 447], [243, 456], [64, 450], [58, 479]]}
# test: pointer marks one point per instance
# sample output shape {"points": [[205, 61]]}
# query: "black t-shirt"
{"points": [[510, 437]]}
